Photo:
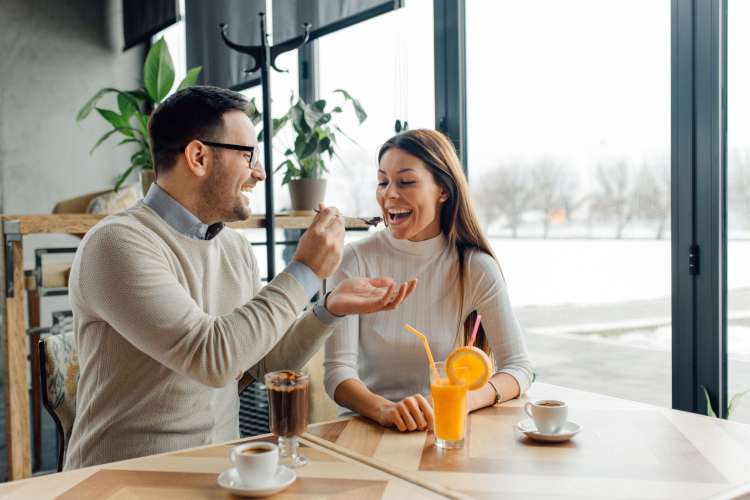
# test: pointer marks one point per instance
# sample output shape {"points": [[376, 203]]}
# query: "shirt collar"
{"points": [[179, 217]]}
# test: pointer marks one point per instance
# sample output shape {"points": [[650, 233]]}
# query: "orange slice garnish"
{"points": [[470, 366]]}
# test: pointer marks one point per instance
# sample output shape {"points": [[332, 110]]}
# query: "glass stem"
{"points": [[288, 447]]}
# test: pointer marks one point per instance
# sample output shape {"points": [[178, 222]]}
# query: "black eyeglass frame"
{"points": [[235, 147]]}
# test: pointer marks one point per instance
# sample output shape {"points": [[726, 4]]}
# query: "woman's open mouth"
{"points": [[398, 216]]}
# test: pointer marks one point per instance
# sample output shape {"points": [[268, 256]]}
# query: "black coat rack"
{"points": [[265, 58]]}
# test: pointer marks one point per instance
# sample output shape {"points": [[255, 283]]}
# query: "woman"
{"points": [[373, 367]]}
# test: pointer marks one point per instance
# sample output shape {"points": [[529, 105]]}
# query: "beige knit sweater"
{"points": [[164, 326]]}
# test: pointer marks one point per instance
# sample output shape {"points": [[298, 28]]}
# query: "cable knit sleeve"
{"points": [[342, 347], [489, 296]]}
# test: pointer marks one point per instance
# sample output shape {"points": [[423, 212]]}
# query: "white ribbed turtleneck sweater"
{"points": [[377, 350]]}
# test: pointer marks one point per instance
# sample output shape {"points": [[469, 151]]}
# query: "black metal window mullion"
{"points": [[698, 202], [450, 73]]}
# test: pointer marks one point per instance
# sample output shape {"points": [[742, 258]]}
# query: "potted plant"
{"points": [[314, 136], [130, 120]]}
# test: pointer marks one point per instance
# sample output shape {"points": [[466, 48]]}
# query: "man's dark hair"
{"points": [[188, 114]]}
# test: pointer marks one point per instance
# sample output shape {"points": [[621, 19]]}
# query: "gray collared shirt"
{"points": [[186, 223]]}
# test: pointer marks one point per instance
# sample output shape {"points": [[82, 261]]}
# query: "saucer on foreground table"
{"points": [[230, 481], [527, 428]]}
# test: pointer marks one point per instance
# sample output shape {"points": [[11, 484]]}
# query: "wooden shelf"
{"points": [[81, 223]]}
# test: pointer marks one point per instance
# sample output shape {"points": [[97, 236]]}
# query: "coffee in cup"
{"points": [[549, 415], [256, 463]]}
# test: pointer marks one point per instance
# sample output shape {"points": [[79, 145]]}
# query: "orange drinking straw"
{"points": [[426, 345], [476, 329]]}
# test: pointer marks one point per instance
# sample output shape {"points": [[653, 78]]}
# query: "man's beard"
{"points": [[220, 200]]}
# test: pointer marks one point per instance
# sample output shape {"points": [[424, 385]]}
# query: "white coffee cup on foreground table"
{"points": [[256, 463], [549, 415]]}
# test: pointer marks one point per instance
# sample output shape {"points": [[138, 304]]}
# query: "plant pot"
{"points": [[147, 178], [306, 194]]}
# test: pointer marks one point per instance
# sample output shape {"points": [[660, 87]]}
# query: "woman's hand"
{"points": [[410, 414]]}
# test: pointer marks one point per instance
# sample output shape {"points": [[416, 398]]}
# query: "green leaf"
{"points": [[158, 71], [320, 105], [253, 113], [709, 408], [279, 123], [324, 145], [190, 78], [292, 172], [89, 106], [123, 177], [103, 138], [298, 119], [310, 146], [338, 129], [117, 121], [139, 95], [126, 141], [734, 401], [358, 109], [126, 104]]}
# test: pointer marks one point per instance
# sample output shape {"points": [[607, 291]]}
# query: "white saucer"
{"points": [[230, 481], [528, 428]]}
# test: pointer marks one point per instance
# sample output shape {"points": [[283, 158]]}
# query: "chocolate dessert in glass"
{"points": [[288, 397]]}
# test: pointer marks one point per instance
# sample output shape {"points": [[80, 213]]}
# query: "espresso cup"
{"points": [[549, 415], [256, 463]]}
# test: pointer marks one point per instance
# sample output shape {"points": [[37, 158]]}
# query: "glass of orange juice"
{"points": [[449, 400]]}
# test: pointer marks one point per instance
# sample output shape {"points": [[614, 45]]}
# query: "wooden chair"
{"points": [[48, 278], [59, 372]]}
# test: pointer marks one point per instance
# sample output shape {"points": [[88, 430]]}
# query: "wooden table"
{"points": [[625, 450], [14, 228], [192, 474]]}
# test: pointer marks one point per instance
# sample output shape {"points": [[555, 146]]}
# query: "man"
{"points": [[167, 303]]}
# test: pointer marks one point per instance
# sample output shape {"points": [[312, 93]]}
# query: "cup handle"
{"points": [[527, 409]]}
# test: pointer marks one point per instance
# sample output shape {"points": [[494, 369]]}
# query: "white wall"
{"points": [[54, 55]]}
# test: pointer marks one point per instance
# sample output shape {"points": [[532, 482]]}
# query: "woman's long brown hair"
{"points": [[458, 218]]}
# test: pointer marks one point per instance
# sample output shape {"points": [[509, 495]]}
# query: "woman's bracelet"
{"points": [[498, 396]]}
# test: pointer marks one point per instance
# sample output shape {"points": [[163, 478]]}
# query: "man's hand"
{"points": [[367, 295], [321, 247], [413, 413]]}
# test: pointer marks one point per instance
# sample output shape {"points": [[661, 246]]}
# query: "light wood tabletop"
{"points": [[624, 450], [192, 474]]}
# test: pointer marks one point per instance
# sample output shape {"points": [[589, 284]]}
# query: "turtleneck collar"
{"points": [[433, 246]]}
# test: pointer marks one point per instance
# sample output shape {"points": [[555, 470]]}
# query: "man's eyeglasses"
{"points": [[252, 161]]}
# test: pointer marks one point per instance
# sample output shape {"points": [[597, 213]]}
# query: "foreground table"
{"points": [[625, 450], [192, 474], [13, 228]]}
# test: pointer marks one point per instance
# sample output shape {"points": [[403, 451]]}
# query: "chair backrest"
{"points": [[60, 372]]}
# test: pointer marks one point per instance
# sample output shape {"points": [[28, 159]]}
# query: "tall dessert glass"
{"points": [[288, 401]]}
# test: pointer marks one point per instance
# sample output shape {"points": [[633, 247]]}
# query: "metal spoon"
{"points": [[370, 221]]}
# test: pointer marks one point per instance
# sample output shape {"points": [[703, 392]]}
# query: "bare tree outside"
{"points": [[506, 192], [553, 185], [650, 198], [610, 197]]}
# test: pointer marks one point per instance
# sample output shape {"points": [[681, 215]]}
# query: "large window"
{"points": [[569, 154], [387, 63], [738, 207]]}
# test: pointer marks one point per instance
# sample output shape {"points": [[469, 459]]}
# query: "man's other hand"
{"points": [[368, 295]]}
